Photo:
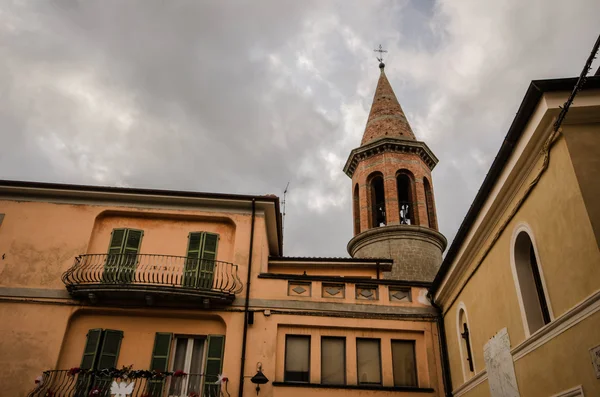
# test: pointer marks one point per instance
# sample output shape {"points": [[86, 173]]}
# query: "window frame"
{"points": [[345, 366], [358, 382], [467, 373], [414, 344], [524, 227], [285, 371]]}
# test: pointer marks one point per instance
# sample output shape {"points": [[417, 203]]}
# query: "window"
{"points": [[464, 340], [431, 221], [188, 357], [101, 351], [368, 357], [200, 357], [377, 201], [200, 263], [530, 284], [404, 363], [122, 258], [356, 206], [297, 358], [333, 360], [404, 183]]}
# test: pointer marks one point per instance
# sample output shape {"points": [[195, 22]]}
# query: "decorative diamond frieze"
{"points": [[365, 292], [400, 294], [299, 289], [333, 290]]}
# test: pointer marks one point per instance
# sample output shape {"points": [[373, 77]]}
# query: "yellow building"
{"points": [[520, 284]]}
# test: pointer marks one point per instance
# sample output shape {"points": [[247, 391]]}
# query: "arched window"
{"points": [[356, 206], [529, 282], [377, 201], [464, 341], [406, 199], [431, 221]]}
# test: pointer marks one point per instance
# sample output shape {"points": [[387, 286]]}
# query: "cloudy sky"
{"points": [[244, 96]]}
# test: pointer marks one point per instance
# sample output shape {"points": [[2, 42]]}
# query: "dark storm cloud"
{"points": [[243, 96]]}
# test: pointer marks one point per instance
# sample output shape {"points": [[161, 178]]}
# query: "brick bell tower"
{"points": [[392, 194]]}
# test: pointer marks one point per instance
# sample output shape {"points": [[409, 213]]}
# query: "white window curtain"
{"points": [[333, 361], [369, 361], [403, 362], [297, 358]]}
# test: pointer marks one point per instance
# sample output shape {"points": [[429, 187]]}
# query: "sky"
{"points": [[246, 96]]}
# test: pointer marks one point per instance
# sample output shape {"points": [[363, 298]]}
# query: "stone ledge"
{"points": [[412, 232]]}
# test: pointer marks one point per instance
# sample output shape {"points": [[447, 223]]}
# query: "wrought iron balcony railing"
{"points": [[105, 383], [94, 275]]}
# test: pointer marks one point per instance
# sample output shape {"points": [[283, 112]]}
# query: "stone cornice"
{"points": [[397, 231], [390, 145]]}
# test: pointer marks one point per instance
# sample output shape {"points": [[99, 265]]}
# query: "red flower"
{"points": [[179, 373], [73, 371], [194, 394]]}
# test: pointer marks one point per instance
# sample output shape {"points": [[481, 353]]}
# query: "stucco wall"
{"points": [[569, 257], [584, 148]]}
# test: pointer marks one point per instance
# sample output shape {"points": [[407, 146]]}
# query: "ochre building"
{"points": [[134, 292]]}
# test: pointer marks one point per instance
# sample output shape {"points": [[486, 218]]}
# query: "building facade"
{"points": [[188, 294], [135, 292], [520, 284]]}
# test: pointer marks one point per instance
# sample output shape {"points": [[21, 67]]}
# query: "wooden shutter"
{"points": [[159, 361], [209, 248], [90, 350], [131, 247], [192, 263], [214, 364], [207, 264], [114, 258], [109, 352], [160, 353], [117, 240]]}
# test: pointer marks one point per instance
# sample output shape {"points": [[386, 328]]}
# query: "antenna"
{"points": [[283, 214]]}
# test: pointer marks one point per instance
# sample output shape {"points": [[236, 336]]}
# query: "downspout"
{"points": [[247, 303], [446, 377]]}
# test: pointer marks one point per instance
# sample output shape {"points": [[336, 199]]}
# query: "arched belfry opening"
{"points": [[406, 199], [356, 208], [431, 218], [377, 213]]}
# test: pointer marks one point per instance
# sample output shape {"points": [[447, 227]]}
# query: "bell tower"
{"points": [[392, 193]]}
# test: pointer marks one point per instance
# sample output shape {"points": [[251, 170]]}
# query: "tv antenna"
{"points": [[283, 212]]}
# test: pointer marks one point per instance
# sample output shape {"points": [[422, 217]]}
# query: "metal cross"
{"points": [[380, 51]]}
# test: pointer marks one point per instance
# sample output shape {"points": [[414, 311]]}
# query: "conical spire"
{"points": [[386, 118]]}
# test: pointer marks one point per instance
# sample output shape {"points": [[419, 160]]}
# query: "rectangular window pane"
{"points": [[403, 361], [333, 361], [369, 361], [297, 358]]}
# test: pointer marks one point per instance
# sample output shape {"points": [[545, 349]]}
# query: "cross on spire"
{"points": [[381, 51]]}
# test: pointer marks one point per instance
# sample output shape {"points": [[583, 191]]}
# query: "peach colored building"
{"points": [[167, 293]]}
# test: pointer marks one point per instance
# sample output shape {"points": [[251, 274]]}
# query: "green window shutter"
{"points": [[160, 353], [159, 361], [117, 241], [109, 352], [214, 364], [194, 243], [192, 263], [90, 350], [207, 264], [209, 249], [133, 241]]}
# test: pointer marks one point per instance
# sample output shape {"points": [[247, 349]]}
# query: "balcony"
{"points": [[148, 279], [131, 383]]}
